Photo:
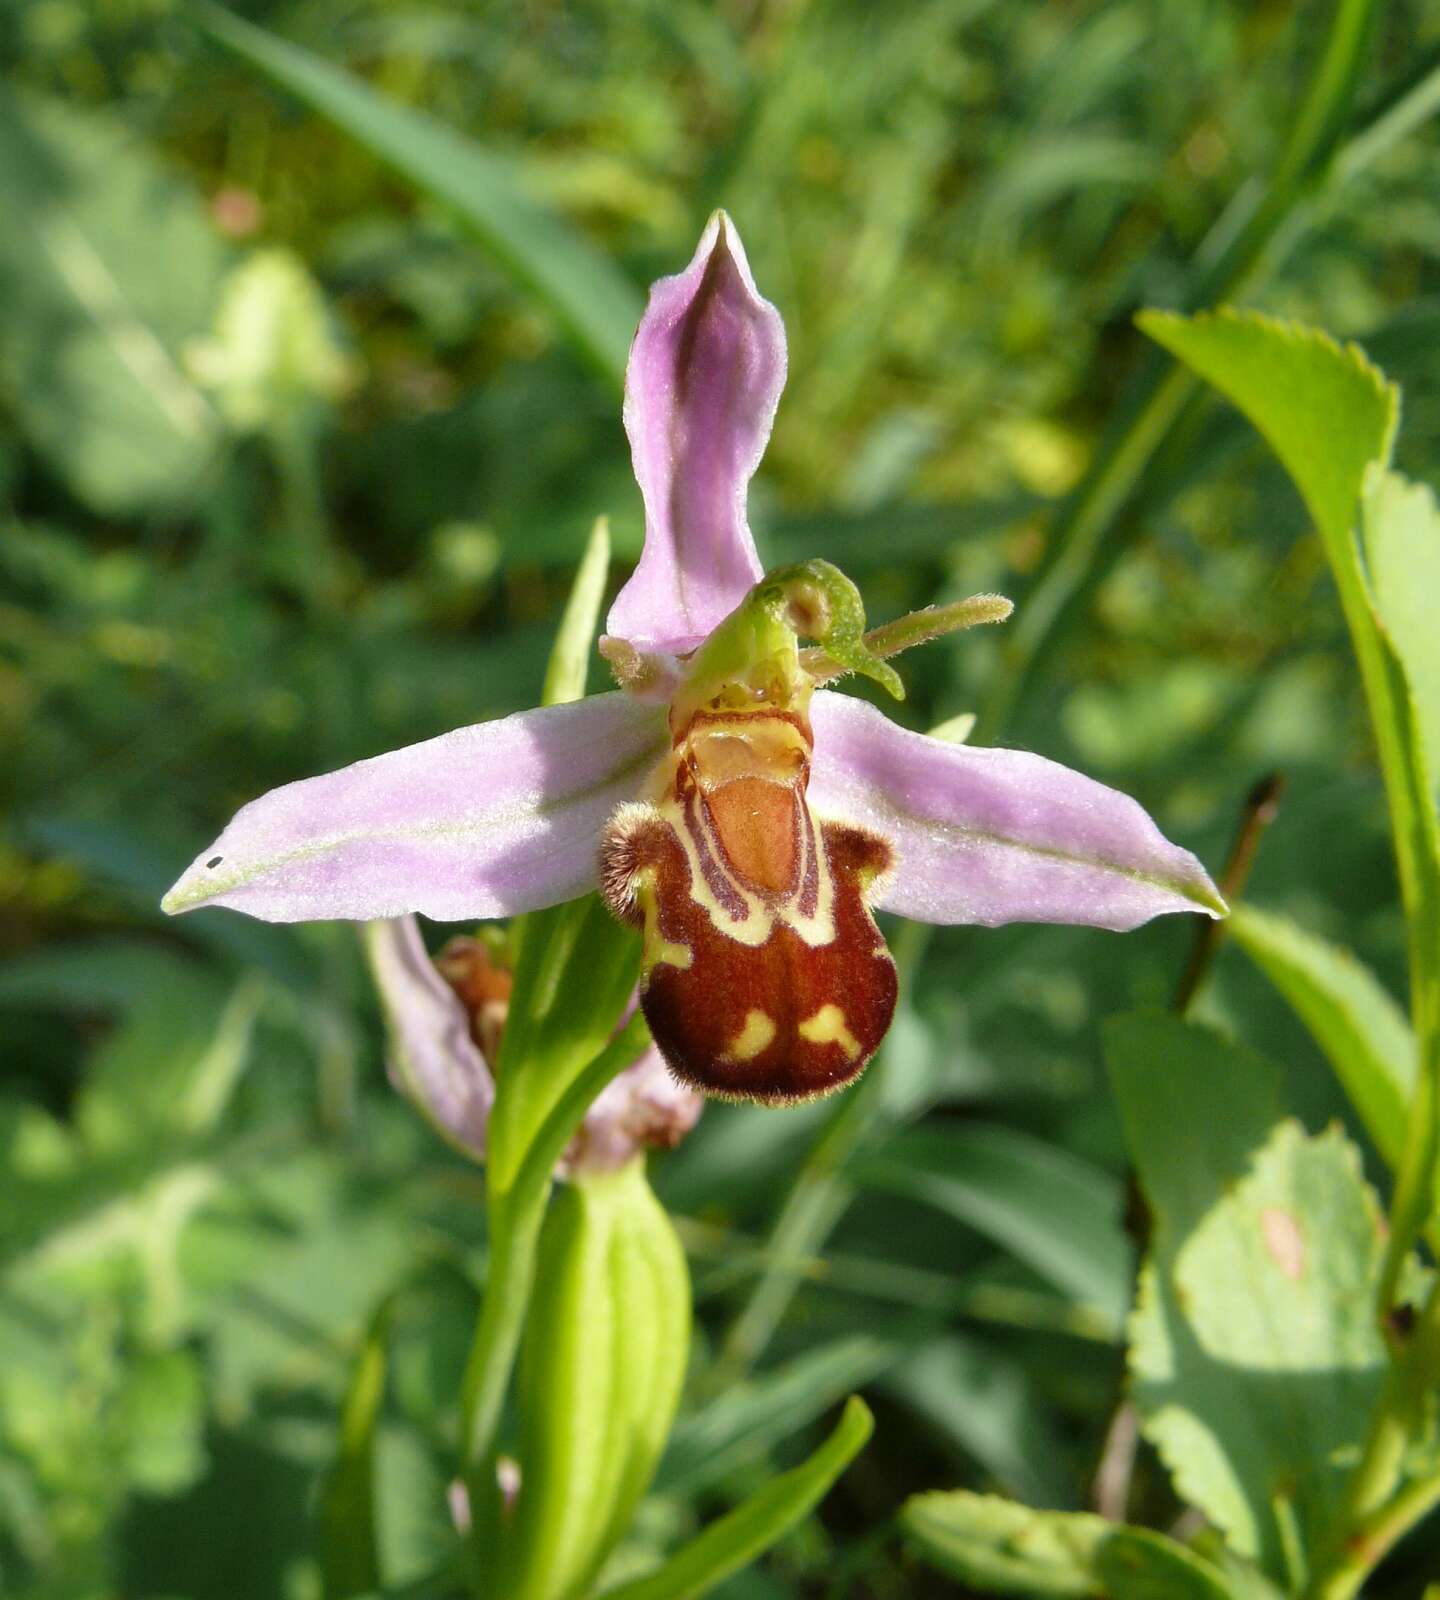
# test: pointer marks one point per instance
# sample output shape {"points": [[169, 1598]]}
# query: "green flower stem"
{"points": [[1077, 541], [515, 1215], [920, 627], [1375, 1537]]}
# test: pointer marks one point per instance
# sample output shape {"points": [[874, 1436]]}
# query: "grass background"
{"points": [[214, 581]]}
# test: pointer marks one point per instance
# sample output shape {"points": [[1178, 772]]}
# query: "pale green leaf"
{"points": [[1006, 1548], [1355, 1021], [582, 288], [1254, 1354], [108, 267], [1402, 552], [737, 1539]]}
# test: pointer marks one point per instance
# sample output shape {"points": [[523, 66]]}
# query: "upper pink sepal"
{"points": [[705, 374]]}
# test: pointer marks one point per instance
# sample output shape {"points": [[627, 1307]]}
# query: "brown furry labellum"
{"points": [[764, 976]]}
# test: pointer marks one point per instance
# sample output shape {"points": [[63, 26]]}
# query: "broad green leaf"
{"points": [[737, 1539], [1254, 1354], [1055, 1213], [108, 267], [590, 299], [1401, 531], [349, 1553], [1354, 1019], [1005, 1548]]}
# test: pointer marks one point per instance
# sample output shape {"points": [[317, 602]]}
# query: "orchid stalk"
{"points": [[749, 823]]}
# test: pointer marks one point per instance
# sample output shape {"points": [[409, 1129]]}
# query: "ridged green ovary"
{"points": [[606, 1343]]}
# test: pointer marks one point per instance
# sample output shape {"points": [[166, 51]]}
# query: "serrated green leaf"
{"points": [[1353, 1018], [581, 287], [108, 266], [1254, 1355], [1401, 532], [1010, 1549], [1052, 1211], [737, 1539]]}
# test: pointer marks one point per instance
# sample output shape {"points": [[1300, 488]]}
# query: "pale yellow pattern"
{"points": [[656, 949], [828, 1026], [757, 1033]]}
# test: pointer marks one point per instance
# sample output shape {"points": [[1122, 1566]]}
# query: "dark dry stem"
{"points": [[1261, 806], [919, 627]]}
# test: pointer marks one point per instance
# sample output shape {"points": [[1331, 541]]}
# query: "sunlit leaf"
{"points": [[1354, 1020], [1254, 1353], [1005, 1548]]}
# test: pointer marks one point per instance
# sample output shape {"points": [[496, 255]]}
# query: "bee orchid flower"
{"points": [[748, 821]]}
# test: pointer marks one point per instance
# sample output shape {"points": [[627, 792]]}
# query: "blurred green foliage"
{"points": [[294, 470]]}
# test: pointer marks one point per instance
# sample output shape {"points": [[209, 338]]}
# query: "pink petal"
{"points": [[432, 1059], [487, 821], [644, 1108], [705, 374], [992, 836]]}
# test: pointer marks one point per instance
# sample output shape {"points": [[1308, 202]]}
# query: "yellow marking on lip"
{"points": [[656, 949], [828, 1026], [757, 1033]]}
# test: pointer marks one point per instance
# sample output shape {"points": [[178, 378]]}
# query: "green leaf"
{"points": [[1401, 531], [570, 657], [595, 305], [1055, 1213], [1007, 1548], [1330, 416], [737, 1539], [1363, 1032], [108, 267], [1254, 1354], [349, 1553]]}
